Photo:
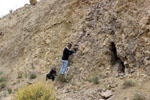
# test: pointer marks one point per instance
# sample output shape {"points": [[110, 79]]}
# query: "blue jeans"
{"points": [[64, 66]]}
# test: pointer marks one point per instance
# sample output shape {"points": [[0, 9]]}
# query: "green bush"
{"points": [[94, 79], [106, 87], [2, 85], [128, 83], [2, 82], [138, 97], [2, 79], [9, 90], [33, 76], [38, 91]]}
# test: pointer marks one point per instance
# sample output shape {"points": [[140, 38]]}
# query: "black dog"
{"points": [[51, 75]]}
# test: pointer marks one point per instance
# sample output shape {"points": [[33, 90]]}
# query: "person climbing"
{"points": [[66, 53], [52, 74]]}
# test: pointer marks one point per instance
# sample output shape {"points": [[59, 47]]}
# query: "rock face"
{"points": [[120, 21], [34, 37]]}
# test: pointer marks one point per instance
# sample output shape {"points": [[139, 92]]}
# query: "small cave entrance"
{"points": [[115, 59]]}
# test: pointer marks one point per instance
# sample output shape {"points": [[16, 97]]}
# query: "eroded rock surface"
{"points": [[34, 37]]}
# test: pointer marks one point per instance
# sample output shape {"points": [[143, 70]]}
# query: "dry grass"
{"points": [[138, 97], [128, 84]]}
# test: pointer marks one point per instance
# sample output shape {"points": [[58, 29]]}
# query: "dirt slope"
{"points": [[34, 37]]}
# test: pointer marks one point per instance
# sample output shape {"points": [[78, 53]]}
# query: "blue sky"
{"points": [[6, 5]]}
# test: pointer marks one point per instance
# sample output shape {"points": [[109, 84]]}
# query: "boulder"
{"points": [[107, 94]]}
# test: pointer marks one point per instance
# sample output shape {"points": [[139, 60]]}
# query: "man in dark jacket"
{"points": [[66, 53]]}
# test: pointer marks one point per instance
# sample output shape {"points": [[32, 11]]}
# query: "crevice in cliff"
{"points": [[115, 59]]}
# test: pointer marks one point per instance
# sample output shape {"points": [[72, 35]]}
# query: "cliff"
{"points": [[34, 37]]}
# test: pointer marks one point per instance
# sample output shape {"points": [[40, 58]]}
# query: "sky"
{"points": [[7, 5]]}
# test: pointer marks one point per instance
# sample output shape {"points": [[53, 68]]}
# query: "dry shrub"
{"points": [[33, 2], [139, 97], [128, 84], [37, 91], [94, 79], [61, 78], [3, 80]]}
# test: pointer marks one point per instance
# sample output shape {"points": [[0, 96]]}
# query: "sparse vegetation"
{"points": [[33, 2], [9, 90], [128, 83], [105, 87], [16, 90], [2, 79], [61, 78], [18, 81], [1, 73], [20, 74], [25, 75], [2, 82], [2, 85], [69, 78], [33, 76], [74, 90], [17, 15], [138, 97], [94, 79], [38, 91]]}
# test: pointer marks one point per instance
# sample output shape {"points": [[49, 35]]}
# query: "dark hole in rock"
{"points": [[115, 59]]}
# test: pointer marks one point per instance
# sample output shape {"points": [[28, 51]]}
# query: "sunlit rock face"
{"points": [[126, 23]]}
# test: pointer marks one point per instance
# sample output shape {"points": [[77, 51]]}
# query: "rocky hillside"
{"points": [[34, 37]]}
